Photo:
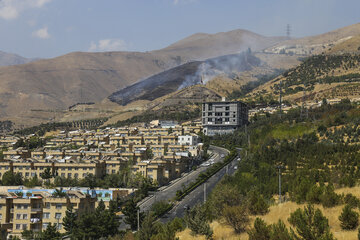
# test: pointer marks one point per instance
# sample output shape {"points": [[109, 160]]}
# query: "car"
{"points": [[236, 167]]}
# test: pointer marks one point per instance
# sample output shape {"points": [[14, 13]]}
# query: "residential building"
{"points": [[223, 117]]}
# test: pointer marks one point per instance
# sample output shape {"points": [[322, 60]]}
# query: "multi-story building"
{"points": [[35, 209], [223, 117]]}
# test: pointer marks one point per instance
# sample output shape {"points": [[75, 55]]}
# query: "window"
{"points": [[25, 216], [24, 226], [59, 226], [227, 114], [210, 107], [0, 216], [45, 225], [18, 206], [18, 226], [63, 175], [76, 175], [27, 174], [18, 216], [69, 175], [47, 205], [210, 114], [26, 206], [58, 215], [227, 119], [46, 215], [58, 206], [227, 108]]}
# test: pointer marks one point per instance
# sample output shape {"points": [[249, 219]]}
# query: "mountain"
{"points": [[201, 46], [316, 44], [8, 59], [188, 74], [30, 93]]}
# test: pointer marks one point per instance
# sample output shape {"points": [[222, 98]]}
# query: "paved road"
{"points": [[197, 196], [169, 192]]}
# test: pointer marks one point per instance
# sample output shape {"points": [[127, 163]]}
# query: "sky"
{"points": [[50, 28]]}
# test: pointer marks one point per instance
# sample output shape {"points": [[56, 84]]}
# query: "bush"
{"points": [[237, 217], [261, 231], [257, 203], [349, 219], [310, 223], [196, 220], [351, 200], [330, 198]]}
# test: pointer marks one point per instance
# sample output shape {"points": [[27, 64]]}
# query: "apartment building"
{"points": [[223, 117], [35, 209]]}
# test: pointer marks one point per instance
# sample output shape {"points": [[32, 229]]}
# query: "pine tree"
{"points": [[261, 230], [349, 219], [130, 211], [69, 221], [310, 224]]}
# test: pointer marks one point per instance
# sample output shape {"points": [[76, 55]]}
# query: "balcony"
{"points": [[36, 210], [35, 220]]}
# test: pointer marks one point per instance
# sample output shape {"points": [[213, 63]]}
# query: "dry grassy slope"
{"points": [[220, 85], [283, 211], [90, 77], [200, 46], [321, 43], [325, 90], [351, 45]]}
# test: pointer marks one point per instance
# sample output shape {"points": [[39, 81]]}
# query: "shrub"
{"points": [[257, 204], [310, 223], [349, 219], [261, 231], [237, 217]]}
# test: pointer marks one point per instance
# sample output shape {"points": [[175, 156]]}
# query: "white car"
{"points": [[235, 167]]}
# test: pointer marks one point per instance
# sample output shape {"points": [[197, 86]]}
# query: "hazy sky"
{"points": [[49, 28]]}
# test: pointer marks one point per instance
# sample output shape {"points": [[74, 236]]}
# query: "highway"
{"points": [[169, 192], [197, 195]]}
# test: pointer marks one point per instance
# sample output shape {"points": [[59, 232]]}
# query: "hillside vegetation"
{"points": [[321, 76]]}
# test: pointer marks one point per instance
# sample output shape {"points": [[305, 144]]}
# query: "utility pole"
{"points": [[279, 167], [280, 100], [204, 192], [288, 31]]}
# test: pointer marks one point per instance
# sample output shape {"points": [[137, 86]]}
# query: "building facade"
{"points": [[223, 117]]}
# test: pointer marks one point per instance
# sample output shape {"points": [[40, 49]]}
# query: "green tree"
{"points": [[280, 232], [349, 219], [237, 217], [130, 211], [310, 224], [46, 174], [196, 220], [11, 179], [257, 203], [29, 235], [69, 221], [148, 227], [261, 231], [59, 193], [50, 233]]}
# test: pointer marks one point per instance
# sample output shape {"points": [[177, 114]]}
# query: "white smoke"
{"points": [[214, 67]]}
